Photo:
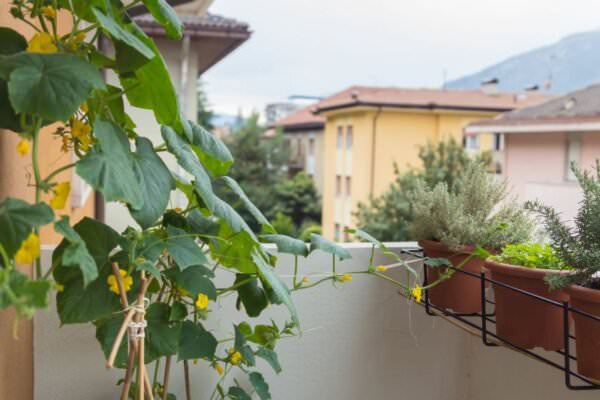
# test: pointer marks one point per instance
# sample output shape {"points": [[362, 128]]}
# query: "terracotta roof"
{"points": [[581, 106], [453, 99], [301, 119], [206, 24]]}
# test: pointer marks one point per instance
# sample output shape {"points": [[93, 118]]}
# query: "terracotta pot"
{"points": [[587, 330], [523, 320], [461, 293]]}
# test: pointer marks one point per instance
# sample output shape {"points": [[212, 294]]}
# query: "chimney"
{"points": [[490, 86], [532, 88]]}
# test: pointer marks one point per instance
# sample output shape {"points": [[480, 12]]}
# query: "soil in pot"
{"points": [[523, 320], [587, 330], [461, 293]]}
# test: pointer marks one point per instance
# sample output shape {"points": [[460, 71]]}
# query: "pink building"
{"points": [[541, 141]]}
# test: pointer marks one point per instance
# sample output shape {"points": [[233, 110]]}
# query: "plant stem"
{"points": [[295, 270], [371, 266], [4, 256], [333, 265], [235, 286], [58, 171], [38, 181], [155, 377]]}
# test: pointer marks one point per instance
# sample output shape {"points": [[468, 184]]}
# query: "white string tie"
{"points": [[137, 329]]}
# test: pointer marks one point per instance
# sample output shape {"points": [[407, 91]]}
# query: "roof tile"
{"points": [[429, 98]]}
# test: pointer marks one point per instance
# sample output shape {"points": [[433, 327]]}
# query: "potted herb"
{"points": [[450, 224], [521, 319], [578, 244]]}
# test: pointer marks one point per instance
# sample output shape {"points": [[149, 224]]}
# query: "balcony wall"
{"points": [[361, 340]]}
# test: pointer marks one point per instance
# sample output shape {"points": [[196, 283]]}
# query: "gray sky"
{"points": [[321, 47]]}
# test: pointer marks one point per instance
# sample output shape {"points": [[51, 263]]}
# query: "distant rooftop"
{"points": [[198, 25], [302, 119], [452, 99], [578, 107]]}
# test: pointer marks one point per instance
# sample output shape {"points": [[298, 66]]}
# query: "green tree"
{"points": [[388, 216], [204, 114], [298, 198], [259, 166]]}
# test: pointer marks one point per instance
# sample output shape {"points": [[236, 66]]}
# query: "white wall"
{"points": [[117, 214], [361, 341]]}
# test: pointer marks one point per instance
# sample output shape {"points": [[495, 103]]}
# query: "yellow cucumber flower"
{"points": [[23, 147], [381, 268], [67, 140], [42, 42], [29, 250], [305, 280], [61, 193], [218, 368], [49, 12], [79, 38], [82, 132], [346, 278], [202, 302], [234, 356], [113, 285], [417, 293]]}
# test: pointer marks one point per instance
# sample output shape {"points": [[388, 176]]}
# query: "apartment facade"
{"points": [[368, 129], [303, 133], [541, 142]]}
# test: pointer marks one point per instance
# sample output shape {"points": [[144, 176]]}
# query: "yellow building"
{"points": [[303, 132], [367, 129]]}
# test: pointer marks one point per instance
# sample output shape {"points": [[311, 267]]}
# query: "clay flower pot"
{"points": [[523, 320], [587, 330], [461, 293]]}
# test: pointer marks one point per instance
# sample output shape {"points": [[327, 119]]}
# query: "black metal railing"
{"points": [[481, 322]]}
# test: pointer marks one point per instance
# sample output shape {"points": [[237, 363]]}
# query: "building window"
{"points": [[338, 185], [498, 142], [348, 186], [349, 137], [337, 232], [340, 137], [573, 156], [471, 142], [311, 146]]}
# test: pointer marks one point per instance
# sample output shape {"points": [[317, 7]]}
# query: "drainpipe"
{"points": [[99, 204], [183, 77], [373, 152], [183, 100]]}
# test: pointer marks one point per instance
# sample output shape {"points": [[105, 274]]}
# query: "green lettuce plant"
{"points": [[150, 289], [531, 255], [476, 211]]}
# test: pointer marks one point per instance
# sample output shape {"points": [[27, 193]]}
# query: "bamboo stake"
{"points": [[128, 373], [186, 371], [139, 317], [148, 385], [166, 378], [119, 338], [133, 348]]}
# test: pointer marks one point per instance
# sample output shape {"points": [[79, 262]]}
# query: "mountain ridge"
{"points": [[569, 64]]}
